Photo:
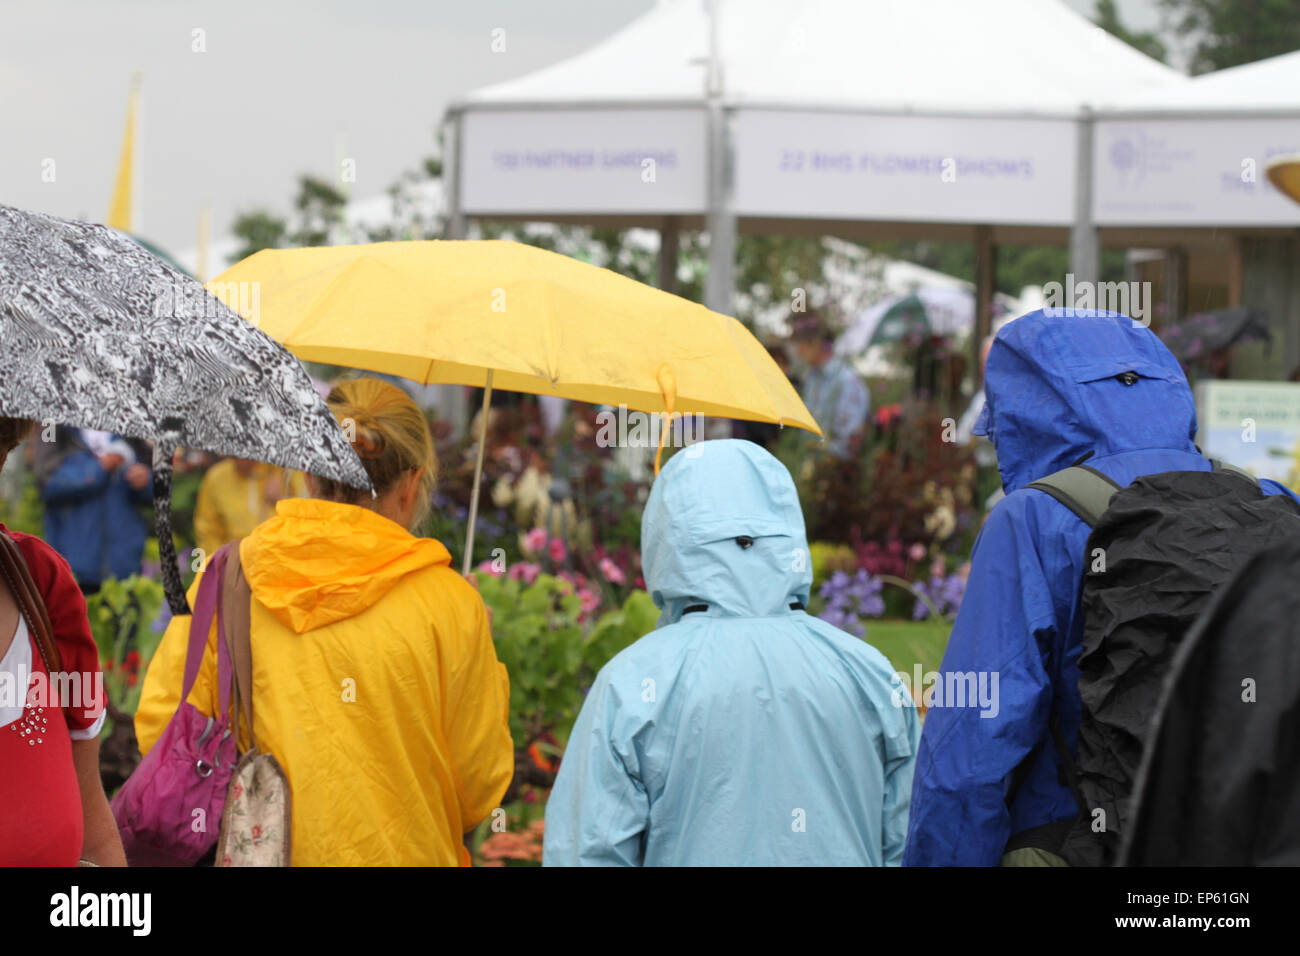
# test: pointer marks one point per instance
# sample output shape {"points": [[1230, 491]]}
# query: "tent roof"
{"points": [[998, 56], [1266, 85]]}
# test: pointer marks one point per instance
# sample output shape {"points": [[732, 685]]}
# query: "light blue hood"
{"points": [[745, 733], [1053, 393], [707, 496]]}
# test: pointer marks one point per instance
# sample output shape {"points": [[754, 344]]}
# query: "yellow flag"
{"points": [[120, 212]]}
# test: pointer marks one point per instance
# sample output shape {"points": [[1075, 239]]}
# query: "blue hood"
{"points": [[1053, 393], [707, 495]]}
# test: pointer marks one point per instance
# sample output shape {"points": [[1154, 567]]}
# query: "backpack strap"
{"points": [[1085, 491], [1223, 466], [235, 615]]}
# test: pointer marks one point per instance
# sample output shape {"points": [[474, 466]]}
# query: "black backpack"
{"points": [[1158, 550], [1230, 714]]}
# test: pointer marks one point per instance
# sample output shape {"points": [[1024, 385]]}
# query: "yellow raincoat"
{"points": [[375, 684], [231, 505]]}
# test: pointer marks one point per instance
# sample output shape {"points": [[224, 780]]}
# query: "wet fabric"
{"points": [[742, 731], [1220, 784], [1053, 396], [1166, 544], [377, 687]]}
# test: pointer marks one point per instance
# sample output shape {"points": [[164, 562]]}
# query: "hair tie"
{"points": [[368, 446]]}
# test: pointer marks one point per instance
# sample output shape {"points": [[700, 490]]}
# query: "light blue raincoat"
{"points": [[745, 732], [1053, 396]]}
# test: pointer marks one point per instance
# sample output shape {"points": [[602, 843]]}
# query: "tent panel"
{"points": [[1191, 171]]}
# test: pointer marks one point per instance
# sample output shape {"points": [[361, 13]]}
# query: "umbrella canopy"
{"points": [[95, 332], [1207, 332], [1285, 175], [448, 312], [927, 311], [508, 315]]}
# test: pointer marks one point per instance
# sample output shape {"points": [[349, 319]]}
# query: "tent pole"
{"points": [[1085, 245], [986, 275], [721, 217], [478, 473]]}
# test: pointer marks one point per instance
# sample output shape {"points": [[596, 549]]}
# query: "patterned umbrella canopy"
{"points": [[95, 332]]}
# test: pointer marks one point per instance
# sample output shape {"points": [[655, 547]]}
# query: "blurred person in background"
{"points": [[835, 394], [55, 809], [238, 494], [376, 684], [93, 485]]}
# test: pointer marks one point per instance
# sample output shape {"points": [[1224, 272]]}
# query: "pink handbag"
{"points": [[169, 810]]}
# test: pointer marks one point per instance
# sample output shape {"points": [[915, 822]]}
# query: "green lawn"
{"points": [[907, 643]]}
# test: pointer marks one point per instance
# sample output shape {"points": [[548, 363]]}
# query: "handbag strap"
{"points": [[205, 607], [234, 615], [18, 577]]}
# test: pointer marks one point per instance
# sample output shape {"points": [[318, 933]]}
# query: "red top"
{"points": [[41, 823]]}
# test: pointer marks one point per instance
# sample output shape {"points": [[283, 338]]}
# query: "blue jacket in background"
{"points": [[91, 518], [747, 732], [1052, 397]]}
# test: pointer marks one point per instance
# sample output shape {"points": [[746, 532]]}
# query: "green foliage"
{"points": [[121, 615], [550, 655], [620, 628], [1107, 17], [320, 208], [27, 514], [1017, 266], [1232, 32], [258, 230]]}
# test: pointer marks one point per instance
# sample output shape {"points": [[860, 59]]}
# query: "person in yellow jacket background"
{"points": [[375, 681], [236, 495]]}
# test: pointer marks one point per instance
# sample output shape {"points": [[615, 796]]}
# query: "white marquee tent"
{"points": [[1194, 154], [910, 118]]}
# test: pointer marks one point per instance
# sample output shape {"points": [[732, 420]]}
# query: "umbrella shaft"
{"points": [[478, 472]]}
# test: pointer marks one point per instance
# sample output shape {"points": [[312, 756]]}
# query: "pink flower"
{"points": [[916, 552], [488, 567], [556, 550], [525, 571], [613, 573], [590, 601], [535, 540]]}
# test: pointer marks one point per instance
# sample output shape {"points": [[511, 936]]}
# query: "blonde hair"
{"points": [[390, 437]]}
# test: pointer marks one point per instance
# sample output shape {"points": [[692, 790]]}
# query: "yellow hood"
{"points": [[317, 562]]}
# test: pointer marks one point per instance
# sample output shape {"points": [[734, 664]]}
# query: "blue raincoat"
{"points": [[1052, 398], [745, 732]]}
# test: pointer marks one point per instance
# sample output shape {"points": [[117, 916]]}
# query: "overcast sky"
{"points": [[281, 87]]}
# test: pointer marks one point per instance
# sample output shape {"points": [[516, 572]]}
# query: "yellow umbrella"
{"points": [[1285, 175], [508, 315]]}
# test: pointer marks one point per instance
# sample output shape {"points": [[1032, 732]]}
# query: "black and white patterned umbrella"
{"points": [[96, 332]]}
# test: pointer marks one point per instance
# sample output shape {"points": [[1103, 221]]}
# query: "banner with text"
{"points": [[584, 161]]}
